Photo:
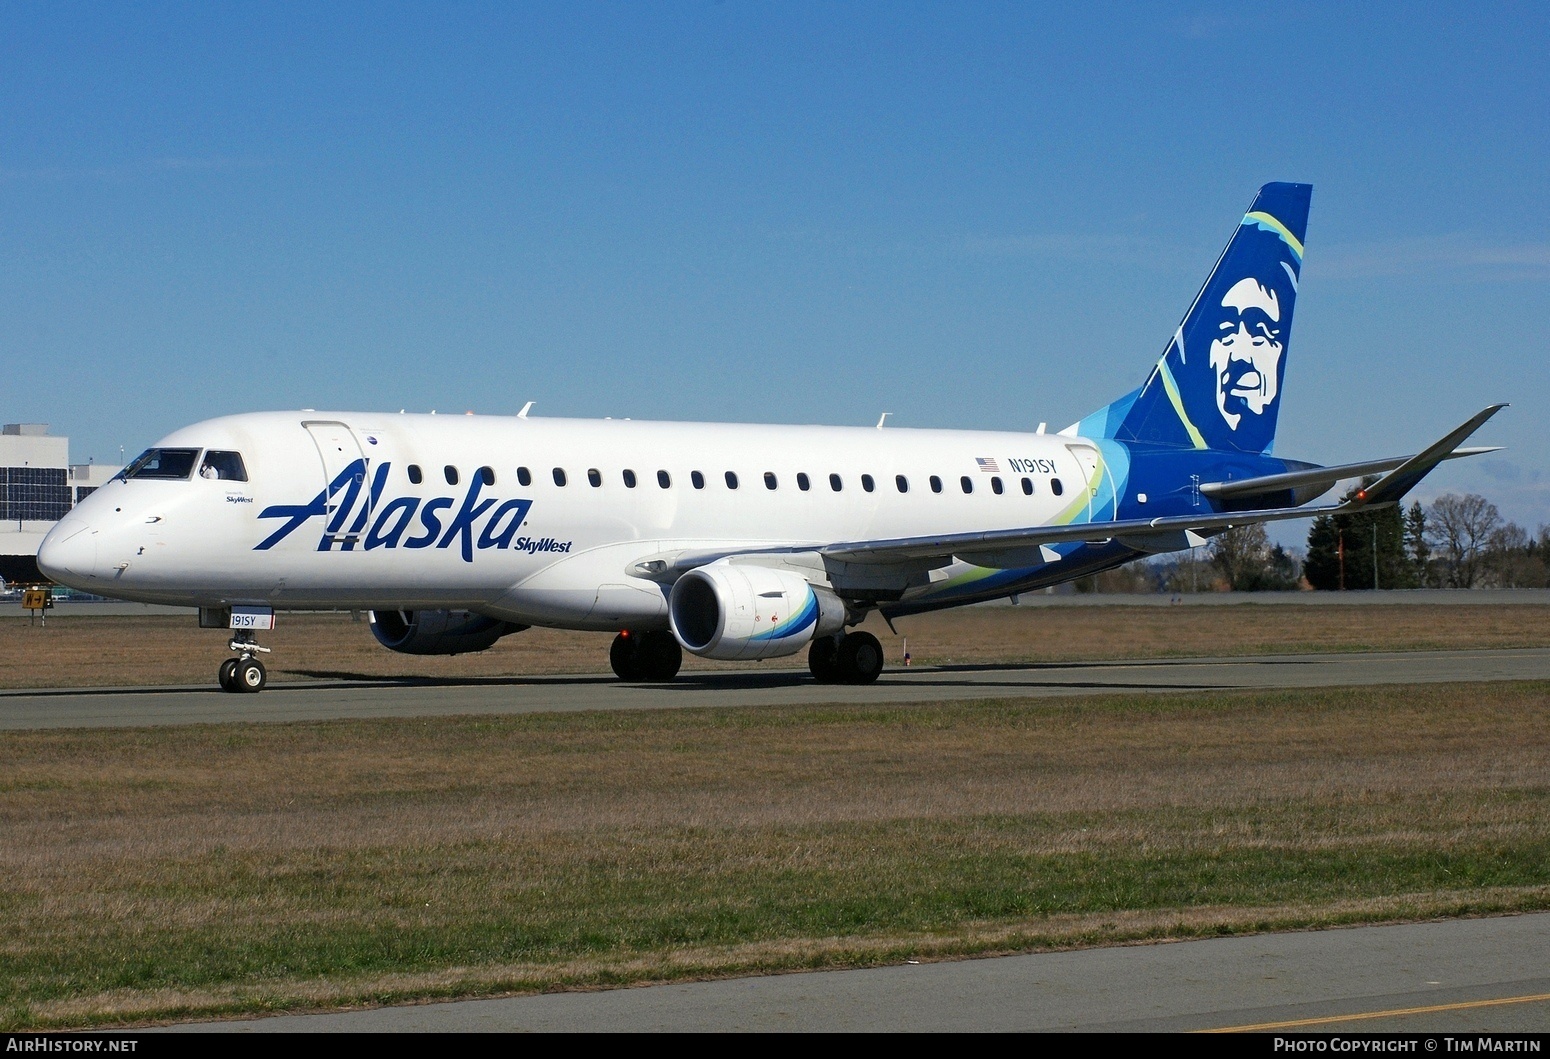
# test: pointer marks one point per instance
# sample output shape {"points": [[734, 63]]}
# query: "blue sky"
{"points": [[968, 215]]}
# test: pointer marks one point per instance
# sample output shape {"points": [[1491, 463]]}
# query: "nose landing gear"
{"points": [[245, 673]]}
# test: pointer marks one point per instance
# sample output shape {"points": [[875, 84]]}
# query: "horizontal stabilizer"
{"points": [[1325, 476]]}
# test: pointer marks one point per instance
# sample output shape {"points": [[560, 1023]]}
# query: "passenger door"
{"points": [[349, 505]]}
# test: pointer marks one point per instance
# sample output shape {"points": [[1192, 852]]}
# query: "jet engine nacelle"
{"points": [[437, 632], [740, 611]]}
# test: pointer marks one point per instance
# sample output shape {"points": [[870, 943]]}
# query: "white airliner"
{"points": [[728, 541]]}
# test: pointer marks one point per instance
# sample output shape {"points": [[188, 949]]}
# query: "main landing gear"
{"points": [[244, 673], [855, 658], [653, 655]]}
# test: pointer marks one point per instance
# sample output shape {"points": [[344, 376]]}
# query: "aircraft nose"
{"points": [[69, 553]]}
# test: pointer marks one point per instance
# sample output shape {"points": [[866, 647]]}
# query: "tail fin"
{"points": [[1218, 384]]}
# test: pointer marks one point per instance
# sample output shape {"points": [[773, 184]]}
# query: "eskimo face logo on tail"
{"points": [[1246, 351], [354, 514]]}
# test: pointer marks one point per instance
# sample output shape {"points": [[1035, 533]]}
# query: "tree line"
{"points": [[1453, 542]]}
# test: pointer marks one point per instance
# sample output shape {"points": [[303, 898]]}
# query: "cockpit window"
{"points": [[224, 465], [163, 463]]}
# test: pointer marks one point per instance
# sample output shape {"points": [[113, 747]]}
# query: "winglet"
{"points": [[1394, 485]]}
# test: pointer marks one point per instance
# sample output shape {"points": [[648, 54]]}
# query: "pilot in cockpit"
{"points": [[224, 465]]}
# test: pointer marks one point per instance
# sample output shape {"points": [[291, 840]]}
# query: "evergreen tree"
{"points": [[1355, 535], [1394, 569], [1322, 566], [1282, 574]]}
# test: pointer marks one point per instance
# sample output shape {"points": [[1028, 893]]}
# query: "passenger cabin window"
{"points": [[415, 477], [451, 474], [936, 484], [769, 480], [524, 476], [1055, 486], [487, 475], [697, 479], [559, 476], [163, 463], [595, 476], [629, 479], [731, 479], [835, 483], [967, 483], [663, 479], [226, 466], [802, 482], [1027, 486], [867, 483], [995, 485], [902, 483]]}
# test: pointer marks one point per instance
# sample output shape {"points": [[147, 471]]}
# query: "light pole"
{"points": [[1375, 557]]}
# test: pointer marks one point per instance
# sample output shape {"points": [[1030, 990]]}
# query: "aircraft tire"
{"points": [[823, 662], [625, 657], [227, 675], [250, 676], [860, 658], [659, 655]]}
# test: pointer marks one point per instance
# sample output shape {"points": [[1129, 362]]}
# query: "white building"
{"points": [[38, 485]]}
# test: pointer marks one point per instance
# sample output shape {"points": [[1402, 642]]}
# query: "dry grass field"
{"points": [[177, 872], [111, 651], [196, 871]]}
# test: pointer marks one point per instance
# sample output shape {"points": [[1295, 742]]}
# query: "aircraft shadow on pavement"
{"points": [[945, 677], [726, 680]]}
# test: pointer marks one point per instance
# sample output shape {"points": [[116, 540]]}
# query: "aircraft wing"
{"points": [[966, 545], [1157, 534]]}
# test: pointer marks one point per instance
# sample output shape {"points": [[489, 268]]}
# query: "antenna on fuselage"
{"points": [[881, 418], [526, 409]]}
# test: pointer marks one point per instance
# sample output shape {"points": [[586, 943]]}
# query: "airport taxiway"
{"points": [[341, 696], [1467, 976]]}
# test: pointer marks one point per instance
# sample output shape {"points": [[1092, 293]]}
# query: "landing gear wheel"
{"points": [[243, 674], [625, 657], [860, 658], [250, 675], [658, 655], [822, 660]]}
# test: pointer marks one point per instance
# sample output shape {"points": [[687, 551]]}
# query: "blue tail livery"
{"points": [[1218, 383]]}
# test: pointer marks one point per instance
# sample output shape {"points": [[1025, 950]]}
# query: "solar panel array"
{"points": [[34, 494]]}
